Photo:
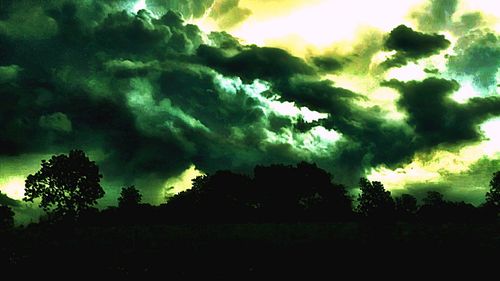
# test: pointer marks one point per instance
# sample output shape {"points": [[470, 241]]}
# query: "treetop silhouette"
{"points": [[493, 195], [374, 201], [130, 197], [69, 185], [66, 184]]}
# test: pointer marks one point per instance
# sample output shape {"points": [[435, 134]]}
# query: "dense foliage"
{"points": [[66, 184]]}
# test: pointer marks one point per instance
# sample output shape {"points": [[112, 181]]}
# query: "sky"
{"points": [[160, 91]]}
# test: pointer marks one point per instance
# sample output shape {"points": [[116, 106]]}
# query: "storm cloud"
{"points": [[412, 45], [255, 63], [150, 94], [436, 118]]}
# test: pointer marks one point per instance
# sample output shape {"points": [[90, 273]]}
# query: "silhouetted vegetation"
{"points": [[406, 207], [277, 193], [67, 185], [6, 217], [437, 209], [375, 203], [272, 219], [130, 197], [493, 195]]}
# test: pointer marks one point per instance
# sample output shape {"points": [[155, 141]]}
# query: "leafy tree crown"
{"points": [[66, 184]]}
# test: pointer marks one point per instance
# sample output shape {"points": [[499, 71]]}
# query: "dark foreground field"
{"points": [[250, 250]]}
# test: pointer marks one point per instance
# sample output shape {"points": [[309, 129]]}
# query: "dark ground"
{"points": [[247, 250]]}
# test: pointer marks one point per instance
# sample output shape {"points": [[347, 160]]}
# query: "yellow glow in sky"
{"points": [[411, 71], [183, 181], [491, 130], [300, 26], [323, 22], [431, 167], [13, 187]]}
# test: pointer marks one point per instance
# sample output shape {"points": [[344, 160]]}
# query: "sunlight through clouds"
{"points": [[182, 182], [326, 22], [466, 92], [268, 104], [432, 167], [139, 5], [409, 72], [13, 187]]}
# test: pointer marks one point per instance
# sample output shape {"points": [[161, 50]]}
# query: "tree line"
{"points": [[68, 187]]}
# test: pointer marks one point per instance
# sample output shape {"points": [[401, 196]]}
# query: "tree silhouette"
{"points": [[434, 198], [406, 206], [435, 208], [275, 193], [129, 197], [66, 184], [304, 192], [6, 217], [374, 201], [493, 195], [223, 196]]}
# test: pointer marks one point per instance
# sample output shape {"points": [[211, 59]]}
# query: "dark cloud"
{"points": [[436, 15], [433, 119], [130, 85], [436, 118], [326, 63], [59, 110], [57, 121], [189, 9], [140, 34], [412, 45], [128, 69], [255, 63], [120, 30], [431, 70], [369, 138]]}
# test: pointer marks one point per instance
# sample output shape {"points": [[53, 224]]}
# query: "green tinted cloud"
{"points": [[412, 45]]}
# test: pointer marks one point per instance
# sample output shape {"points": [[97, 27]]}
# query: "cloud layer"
{"points": [[150, 94]]}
